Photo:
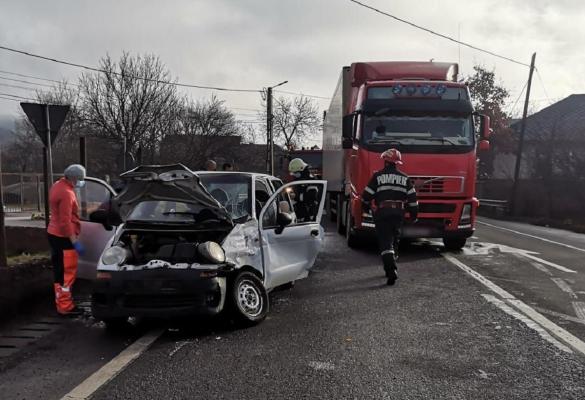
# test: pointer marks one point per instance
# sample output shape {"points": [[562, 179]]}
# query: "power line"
{"points": [[88, 68], [36, 77], [302, 94], [8, 98], [518, 98], [542, 84], [18, 87], [439, 34], [18, 97], [27, 82]]}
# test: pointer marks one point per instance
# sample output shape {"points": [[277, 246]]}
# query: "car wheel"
{"points": [[249, 300], [454, 244]]}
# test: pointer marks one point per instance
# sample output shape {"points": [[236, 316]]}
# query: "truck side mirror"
{"points": [[484, 145], [484, 127], [347, 131]]}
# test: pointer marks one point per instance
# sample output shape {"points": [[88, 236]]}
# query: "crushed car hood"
{"points": [[165, 183]]}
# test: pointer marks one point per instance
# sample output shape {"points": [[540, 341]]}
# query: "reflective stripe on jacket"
{"points": [[389, 184]]}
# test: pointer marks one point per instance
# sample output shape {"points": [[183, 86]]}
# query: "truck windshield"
{"points": [[418, 130]]}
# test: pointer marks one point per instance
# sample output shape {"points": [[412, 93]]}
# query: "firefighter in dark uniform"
{"points": [[306, 204], [392, 193]]}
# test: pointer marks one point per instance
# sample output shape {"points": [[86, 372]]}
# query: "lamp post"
{"points": [[269, 133]]}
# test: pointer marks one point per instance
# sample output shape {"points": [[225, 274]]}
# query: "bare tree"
{"points": [[295, 121], [207, 130], [130, 100]]}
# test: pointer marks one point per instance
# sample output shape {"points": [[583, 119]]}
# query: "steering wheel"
{"points": [[220, 195]]}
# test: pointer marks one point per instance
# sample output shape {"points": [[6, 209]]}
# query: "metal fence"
{"points": [[23, 192]]}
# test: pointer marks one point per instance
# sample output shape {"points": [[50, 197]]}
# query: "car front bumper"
{"points": [[160, 293]]}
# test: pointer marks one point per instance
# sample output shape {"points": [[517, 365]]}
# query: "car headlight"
{"points": [[212, 251], [115, 255]]}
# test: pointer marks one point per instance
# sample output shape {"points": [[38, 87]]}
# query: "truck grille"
{"points": [[437, 208], [438, 184]]}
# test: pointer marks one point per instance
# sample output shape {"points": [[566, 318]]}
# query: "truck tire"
{"points": [[454, 244], [332, 215], [248, 300], [339, 214], [351, 236]]}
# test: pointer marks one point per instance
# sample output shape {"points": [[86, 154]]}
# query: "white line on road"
{"points": [[579, 308], [527, 321], [564, 286], [560, 315], [106, 373], [561, 334], [550, 264], [532, 236], [541, 267]]}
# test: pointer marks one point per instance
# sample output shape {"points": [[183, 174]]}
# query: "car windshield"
{"points": [[232, 191], [419, 130], [169, 212]]}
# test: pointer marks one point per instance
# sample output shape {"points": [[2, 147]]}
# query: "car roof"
{"points": [[250, 174]]}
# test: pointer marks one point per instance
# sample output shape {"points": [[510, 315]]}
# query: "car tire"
{"points": [[248, 299], [351, 236], [454, 244]]}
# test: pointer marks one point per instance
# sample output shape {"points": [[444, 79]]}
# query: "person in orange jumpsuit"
{"points": [[63, 231]]}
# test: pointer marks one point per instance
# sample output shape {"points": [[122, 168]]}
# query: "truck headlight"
{"points": [[115, 255], [212, 251], [465, 214]]}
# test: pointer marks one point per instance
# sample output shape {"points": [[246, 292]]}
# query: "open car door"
{"points": [[96, 194], [290, 231]]}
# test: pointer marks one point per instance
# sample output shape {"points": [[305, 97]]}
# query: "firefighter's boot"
{"points": [[390, 267]]}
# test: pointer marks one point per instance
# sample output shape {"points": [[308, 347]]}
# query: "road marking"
{"points": [[532, 236], [541, 267], [179, 346], [527, 321], [564, 286], [485, 249], [550, 264], [579, 308], [560, 315], [555, 330], [106, 373]]}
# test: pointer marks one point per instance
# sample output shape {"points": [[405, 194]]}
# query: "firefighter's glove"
{"points": [[79, 248]]}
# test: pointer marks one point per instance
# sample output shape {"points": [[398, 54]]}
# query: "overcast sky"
{"points": [[256, 43]]}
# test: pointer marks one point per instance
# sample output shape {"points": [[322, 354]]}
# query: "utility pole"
{"points": [[269, 133], [3, 260], [49, 165], [514, 202]]}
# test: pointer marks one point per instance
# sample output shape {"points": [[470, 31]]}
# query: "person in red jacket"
{"points": [[64, 229]]}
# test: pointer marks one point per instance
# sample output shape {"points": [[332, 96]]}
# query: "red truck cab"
{"points": [[421, 109]]}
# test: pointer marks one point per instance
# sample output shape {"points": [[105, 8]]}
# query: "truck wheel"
{"points": [[339, 215], [248, 299], [454, 244], [332, 216], [353, 239]]}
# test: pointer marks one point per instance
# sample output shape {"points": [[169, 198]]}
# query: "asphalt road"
{"points": [[343, 334]]}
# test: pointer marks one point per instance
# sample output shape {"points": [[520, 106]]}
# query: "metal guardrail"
{"points": [[499, 207]]}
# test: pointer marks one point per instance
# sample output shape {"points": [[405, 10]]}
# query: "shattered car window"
{"points": [[231, 191], [168, 211]]}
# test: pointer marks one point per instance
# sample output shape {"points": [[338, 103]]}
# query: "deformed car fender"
{"points": [[242, 246]]}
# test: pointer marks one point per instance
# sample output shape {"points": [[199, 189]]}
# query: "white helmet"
{"points": [[296, 165]]}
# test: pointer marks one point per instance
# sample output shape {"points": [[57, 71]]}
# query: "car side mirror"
{"points": [[347, 131], [282, 220], [106, 218], [484, 145], [484, 127]]}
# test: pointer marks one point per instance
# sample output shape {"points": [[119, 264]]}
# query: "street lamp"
{"points": [[269, 134]]}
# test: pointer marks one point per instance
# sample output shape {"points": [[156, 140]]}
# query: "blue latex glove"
{"points": [[79, 248]]}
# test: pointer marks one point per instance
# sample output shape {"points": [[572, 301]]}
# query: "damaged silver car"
{"points": [[175, 242]]}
